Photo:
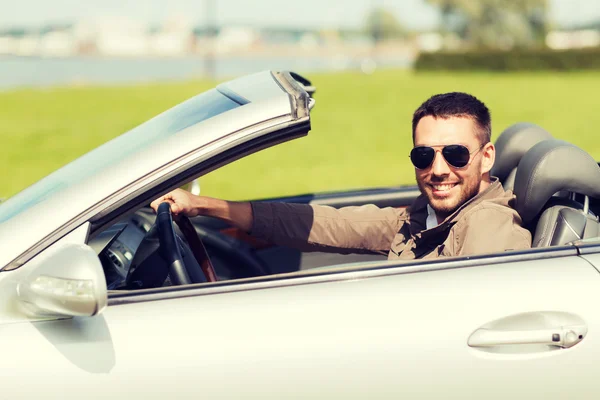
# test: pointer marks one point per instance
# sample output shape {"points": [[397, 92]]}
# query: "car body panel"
{"points": [[593, 258], [401, 334]]}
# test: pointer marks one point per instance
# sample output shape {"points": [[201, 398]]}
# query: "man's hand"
{"points": [[182, 202], [185, 203]]}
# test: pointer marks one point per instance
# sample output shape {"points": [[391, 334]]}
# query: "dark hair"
{"points": [[456, 104]]}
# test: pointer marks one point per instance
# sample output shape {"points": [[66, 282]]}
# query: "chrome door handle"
{"points": [[564, 337]]}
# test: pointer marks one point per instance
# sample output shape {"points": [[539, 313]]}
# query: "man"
{"points": [[462, 210]]}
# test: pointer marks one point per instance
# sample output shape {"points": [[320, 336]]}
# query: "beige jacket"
{"points": [[485, 224]]}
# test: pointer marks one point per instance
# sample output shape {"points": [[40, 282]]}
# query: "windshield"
{"points": [[176, 119]]}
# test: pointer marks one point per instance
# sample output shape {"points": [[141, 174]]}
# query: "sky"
{"points": [[415, 14]]}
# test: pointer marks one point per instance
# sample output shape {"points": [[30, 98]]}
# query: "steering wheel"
{"points": [[170, 250]]}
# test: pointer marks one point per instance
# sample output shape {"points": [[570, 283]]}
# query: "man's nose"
{"points": [[439, 166]]}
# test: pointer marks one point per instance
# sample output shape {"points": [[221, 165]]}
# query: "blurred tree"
{"points": [[381, 24], [496, 23]]}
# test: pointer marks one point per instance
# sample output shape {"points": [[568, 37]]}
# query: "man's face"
{"points": [[447, 187]]}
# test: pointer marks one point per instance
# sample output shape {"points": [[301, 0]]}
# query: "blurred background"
{"points": [[75, 74]]}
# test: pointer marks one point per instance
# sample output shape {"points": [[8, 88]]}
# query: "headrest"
{"points": [[549, 167], [512, 144]]}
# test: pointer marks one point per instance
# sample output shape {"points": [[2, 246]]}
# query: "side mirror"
{"points": [[69, 282]]}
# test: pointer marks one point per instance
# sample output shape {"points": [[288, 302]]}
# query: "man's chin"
{"points": [[442, 204], [443, 207]]}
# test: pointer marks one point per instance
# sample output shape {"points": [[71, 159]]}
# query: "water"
{"points": [[33, 71]]}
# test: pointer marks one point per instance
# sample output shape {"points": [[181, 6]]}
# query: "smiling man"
{"points": [[462, 210]]}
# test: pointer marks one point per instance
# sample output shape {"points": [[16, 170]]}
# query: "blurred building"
{"points": [[429, 42], [27, 45], [8, 45], [578, 39], [235, 38], [121, 37], [174, 38], [58, 43]]}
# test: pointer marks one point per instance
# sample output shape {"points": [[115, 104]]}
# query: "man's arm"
{"points": [[363, 229], [238, 214], [302, 226]]}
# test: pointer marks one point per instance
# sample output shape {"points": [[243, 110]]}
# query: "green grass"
{"points": [[361, 126]]}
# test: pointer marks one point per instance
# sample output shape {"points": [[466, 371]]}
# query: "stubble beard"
{"points": [[445, 207]]}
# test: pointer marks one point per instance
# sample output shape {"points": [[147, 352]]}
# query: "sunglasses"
{"points": [[456, 155]]}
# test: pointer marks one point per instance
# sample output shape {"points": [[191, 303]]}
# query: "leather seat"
{"points": [[555, 166], [511, 145]]}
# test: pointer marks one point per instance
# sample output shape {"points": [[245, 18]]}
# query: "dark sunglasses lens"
{"points": [[456, 155], [422, 157]]}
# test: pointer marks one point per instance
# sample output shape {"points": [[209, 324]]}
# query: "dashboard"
{"points": [[117, 245]]}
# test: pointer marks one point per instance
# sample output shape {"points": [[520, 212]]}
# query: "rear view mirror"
{"points": [[69, 282]]}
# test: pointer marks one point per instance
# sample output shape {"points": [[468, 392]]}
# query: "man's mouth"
{"points": [[442, 187]]}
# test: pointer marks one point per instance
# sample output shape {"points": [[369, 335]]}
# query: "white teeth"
{"points": [[443, 187]]}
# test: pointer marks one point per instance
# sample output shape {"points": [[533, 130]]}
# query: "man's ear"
{"points": [[488, 156]]}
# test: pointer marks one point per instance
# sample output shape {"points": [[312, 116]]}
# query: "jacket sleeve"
{"points": [[490, 229], [364, 229]]}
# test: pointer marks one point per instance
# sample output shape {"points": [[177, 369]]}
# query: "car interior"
{"points": [[557, 197]]}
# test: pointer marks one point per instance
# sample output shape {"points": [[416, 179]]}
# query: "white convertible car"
{"points": [[102, 299]]}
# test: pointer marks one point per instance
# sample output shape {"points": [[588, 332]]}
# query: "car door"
{"points": [[384, 330]]}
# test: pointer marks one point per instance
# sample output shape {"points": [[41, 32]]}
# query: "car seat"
{"points": [[549, 167], [511, 145]]}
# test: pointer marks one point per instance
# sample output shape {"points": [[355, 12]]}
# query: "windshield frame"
{"points": [[193, 111]]}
